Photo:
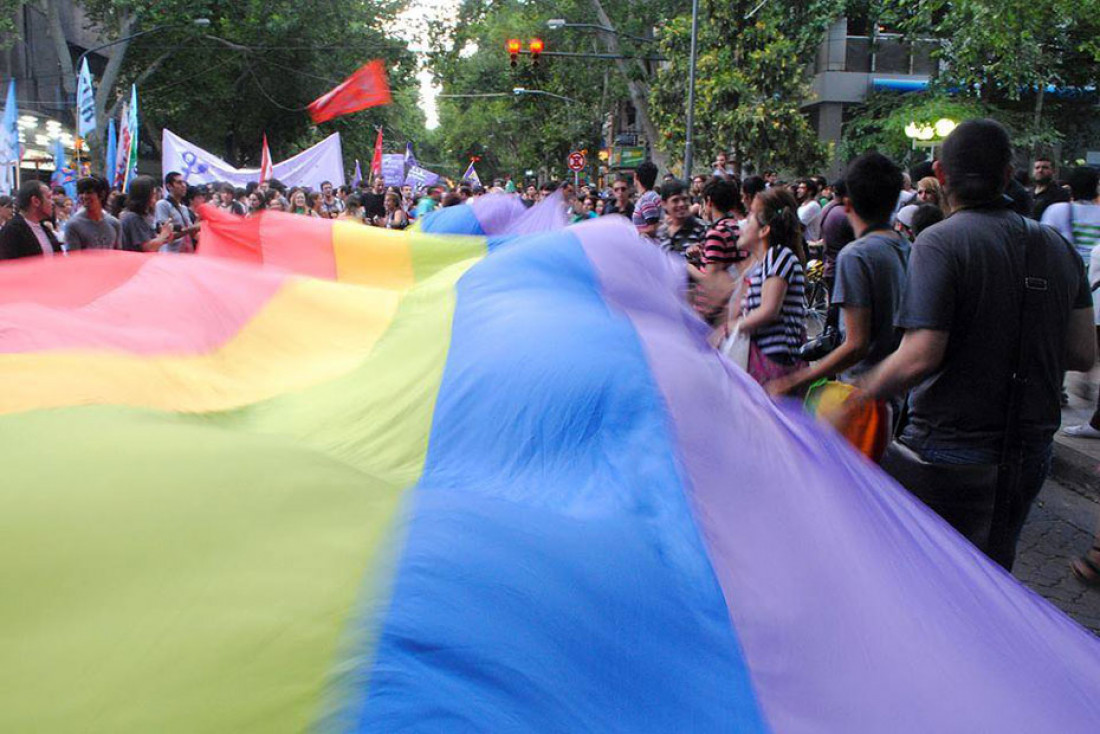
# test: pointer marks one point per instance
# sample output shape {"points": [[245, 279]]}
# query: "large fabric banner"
{"points": [[322, 162], [393, 169], [420, 177]]}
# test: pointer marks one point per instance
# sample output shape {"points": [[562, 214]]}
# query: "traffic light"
{"points": [[513, 50], [535, 47]]}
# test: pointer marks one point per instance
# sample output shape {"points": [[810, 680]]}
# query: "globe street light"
{"points": [[929, 135]]}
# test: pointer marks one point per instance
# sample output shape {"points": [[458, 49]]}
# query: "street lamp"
{"points": [[555, 24], [929, 135]]}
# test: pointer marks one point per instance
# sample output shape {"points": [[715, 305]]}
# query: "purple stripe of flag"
{"points": [[857, 608]]}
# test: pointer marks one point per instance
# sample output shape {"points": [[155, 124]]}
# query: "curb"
{"points": [[1076, 470]]}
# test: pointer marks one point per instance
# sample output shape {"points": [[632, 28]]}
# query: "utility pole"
{"points": [[688, 142]]}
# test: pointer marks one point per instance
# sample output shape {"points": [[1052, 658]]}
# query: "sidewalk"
{"points": [[1077, 460]]}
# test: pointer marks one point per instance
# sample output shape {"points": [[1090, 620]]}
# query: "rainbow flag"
{"points": [[454, 483]]}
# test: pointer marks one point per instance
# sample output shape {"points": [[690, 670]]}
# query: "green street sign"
{"points": [[627, 156]]}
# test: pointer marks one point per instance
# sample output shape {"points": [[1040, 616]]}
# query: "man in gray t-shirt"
{"points": [[870, 274], [92, 228], [171, 209], [82, 232], [962, 314], [870, 277]]}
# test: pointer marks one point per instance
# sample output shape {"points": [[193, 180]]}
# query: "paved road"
{"points": [[1060, 527]]}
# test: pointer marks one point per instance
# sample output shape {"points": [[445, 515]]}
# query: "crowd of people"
{"points": [[947, 305]]}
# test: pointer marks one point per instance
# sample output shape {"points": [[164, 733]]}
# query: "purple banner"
{"points": [[393, 168]]}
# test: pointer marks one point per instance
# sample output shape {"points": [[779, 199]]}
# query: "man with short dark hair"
{"points": [[621, 201], [720, 252], [24, 235], [331, 206], [970, 277], [836, 231], [647, 211], [530, 196], [680, 230], [172, 209], [750, 187], [92, 228], [1046, 191], [374, 201], [429, 202], [870, 276], [809, 210], [227, 199]]}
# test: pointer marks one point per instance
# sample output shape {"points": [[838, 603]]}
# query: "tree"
{"points": [[879, 123], [252, 70], [750, 81], [512, 133], [1007, 51]]}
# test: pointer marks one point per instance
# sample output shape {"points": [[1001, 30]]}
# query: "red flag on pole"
{"points": [[376, 162], [367, 87], [265, 162]]}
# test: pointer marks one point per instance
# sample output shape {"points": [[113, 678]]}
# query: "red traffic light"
{"points": [[535, 47], [513, 49]]}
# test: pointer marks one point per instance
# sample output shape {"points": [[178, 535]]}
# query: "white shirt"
{"points": [[1079, 223], [42, 237], [810, 216]]}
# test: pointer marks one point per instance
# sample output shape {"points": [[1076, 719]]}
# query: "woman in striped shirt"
{"points": [[773, 310]]}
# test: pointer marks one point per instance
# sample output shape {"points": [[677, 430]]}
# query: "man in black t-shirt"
{"points": [[1047, 191], [961, 314], [621, 203]]}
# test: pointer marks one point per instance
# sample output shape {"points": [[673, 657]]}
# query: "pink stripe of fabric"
{"points": [[160, 309], [74, 280], [299, 244]]}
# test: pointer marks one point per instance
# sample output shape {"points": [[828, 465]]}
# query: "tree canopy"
{"points": [[255, 68], [751, 81]]}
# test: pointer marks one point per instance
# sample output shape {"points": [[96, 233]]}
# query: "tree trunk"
{"points": [[106, 87], [639, 90], [1038, 119], [64, 56]]}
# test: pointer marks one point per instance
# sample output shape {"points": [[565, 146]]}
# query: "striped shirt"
{"points": [[648, 209], [720, 246], [781, 339], [1078, 222]]}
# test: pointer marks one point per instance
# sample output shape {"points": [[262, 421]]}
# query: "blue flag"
{"points": [[85, 101], [63, 175], [9, 141], [112, 149], [358, 177], [410, 159]]}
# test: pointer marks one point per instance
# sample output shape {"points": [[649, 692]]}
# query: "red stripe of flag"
{"points": [[367, 87], [265, 162]]}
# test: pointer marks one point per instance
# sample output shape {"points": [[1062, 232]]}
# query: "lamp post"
{"points": [[523, 90], [690, 127]]}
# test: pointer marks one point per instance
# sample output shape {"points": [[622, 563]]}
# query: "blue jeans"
{"points": [[1033, 472]]}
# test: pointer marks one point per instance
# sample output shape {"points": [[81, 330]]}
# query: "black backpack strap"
{"points": [[1035, 288]]}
